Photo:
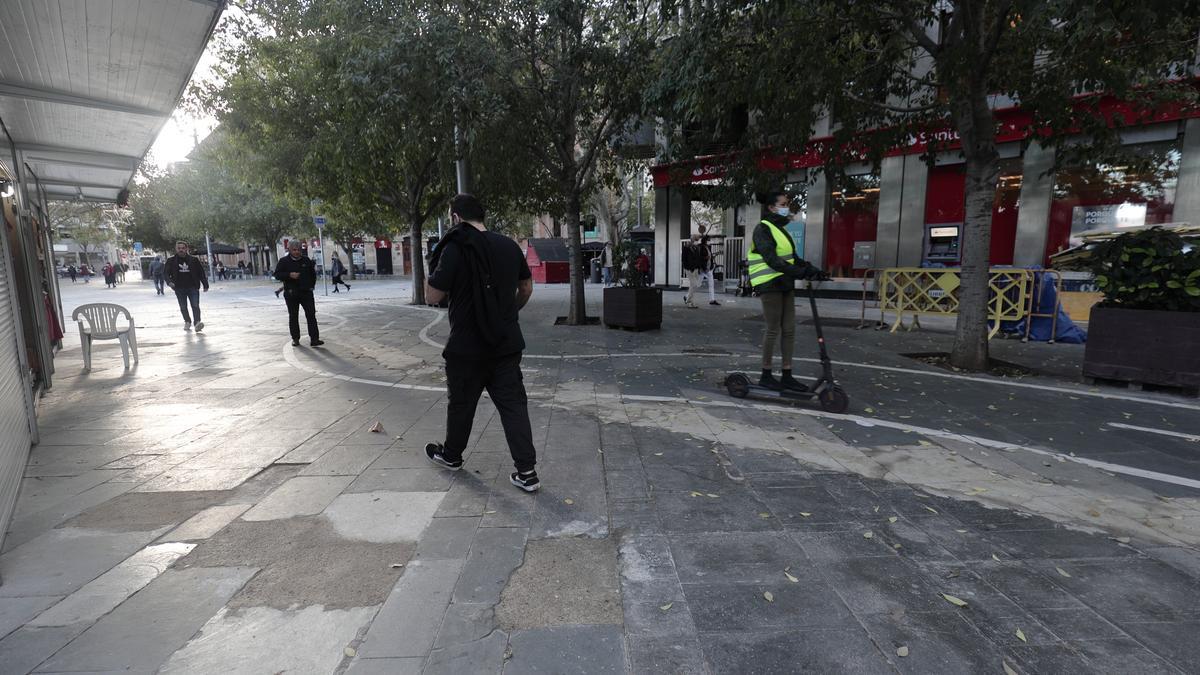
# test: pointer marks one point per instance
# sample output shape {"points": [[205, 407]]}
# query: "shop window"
{"points": [[853, 217], [1139, 190]]}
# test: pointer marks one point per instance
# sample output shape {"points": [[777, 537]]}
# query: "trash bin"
{"points": [[595, 270]]}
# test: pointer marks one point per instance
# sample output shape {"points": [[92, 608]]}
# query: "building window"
{"points": [[1111, 196], [853, 217]]}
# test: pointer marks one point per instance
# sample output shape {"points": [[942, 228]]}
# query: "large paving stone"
{"points": [[101, 595], [468, 496], [266, 640], [179, 479], [821, 651], [480, 656], [403, 480], [300, 496], [742, 556], [560, 582], [647, 569], [1130, 589], [657, 655], [383, 516], [343, 460], [465, 623], [206, 523], [568, 649], [724, 606], [494, 555], [732, 511], [937, 642], [145, 630], [62, 560], [29, 646], [15, 612], [386, 666], [408, 622], [447, 538], [880, 585]]}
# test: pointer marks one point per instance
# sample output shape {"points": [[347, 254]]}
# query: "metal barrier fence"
{"points": [[735, 257], [934, 291]]}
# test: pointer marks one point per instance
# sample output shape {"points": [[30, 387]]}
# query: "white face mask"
{"points": [[783, 211]]}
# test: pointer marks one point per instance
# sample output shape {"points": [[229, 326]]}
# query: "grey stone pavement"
{"points": [[226, 506]]}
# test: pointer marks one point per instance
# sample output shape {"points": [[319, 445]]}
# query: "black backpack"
{"points": [[688, 259]]}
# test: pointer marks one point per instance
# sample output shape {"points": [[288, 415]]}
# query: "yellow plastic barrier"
{"points": [[918, 291]]}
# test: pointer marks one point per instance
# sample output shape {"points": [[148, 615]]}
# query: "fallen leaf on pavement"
{"points": [[930, 509], [961, 531], [377, 427], [568, 501], [1008, 669], [868, 534], [397, 566], [1021, 635], [1093, 513], [764, 515], [697, 494], [791, 578], [709, 494], [768, 596], [667, 606], [350, 651], [1063, 572], [805, 514], [995, 557], [957, 602], [892, 519], [902, 651], [1122, 540]]}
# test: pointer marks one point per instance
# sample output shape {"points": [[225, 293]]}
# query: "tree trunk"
{"points": [[976, 126], [577, 312], [348, 249], [418, 261]]}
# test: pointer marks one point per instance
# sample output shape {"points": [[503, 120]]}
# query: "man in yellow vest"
{"points": [[774, 268]]}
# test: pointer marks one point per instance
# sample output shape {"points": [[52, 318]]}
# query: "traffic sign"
{"points": [[319, 221], [137, 247]]}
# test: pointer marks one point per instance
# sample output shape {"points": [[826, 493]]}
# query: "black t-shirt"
{"points": [[454, 276]]}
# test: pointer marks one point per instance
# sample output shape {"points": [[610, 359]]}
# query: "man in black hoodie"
{"points": [[185, 275], [774, 269], [488, 282], [299, 276]]}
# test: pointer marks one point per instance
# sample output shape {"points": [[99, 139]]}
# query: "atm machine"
{"points": [[941, 245]]}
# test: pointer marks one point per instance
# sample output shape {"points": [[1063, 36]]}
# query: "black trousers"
{"points": [[295, 300], [501, 377]]}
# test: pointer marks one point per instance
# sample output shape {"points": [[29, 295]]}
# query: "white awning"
{"points": [[87, 85]]}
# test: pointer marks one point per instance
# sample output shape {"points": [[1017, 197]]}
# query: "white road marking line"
{"points": [[1150, 430], [936, 433]]}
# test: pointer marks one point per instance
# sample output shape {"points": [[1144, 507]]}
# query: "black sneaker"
{"points": [[434, 452], [295, 343], [526, 481], [317, 343], [792, 384], [714, 302], [769, 382]]}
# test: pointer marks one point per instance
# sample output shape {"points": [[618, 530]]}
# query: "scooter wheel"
{"points": [[834, 400], [738, 385]]}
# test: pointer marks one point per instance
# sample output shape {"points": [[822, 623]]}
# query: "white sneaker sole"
{"points": [[523, 487]]}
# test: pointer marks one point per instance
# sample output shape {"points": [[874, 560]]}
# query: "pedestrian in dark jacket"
{"points": [[299, 276], [337, 269], [774, 269], [157, 269], [185, 275], [488, 282]]}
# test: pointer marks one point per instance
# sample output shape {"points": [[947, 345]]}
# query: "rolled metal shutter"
{"points": [[14, 400]]}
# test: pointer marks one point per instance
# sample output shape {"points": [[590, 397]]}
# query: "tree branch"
{"points": [[893, 108]]}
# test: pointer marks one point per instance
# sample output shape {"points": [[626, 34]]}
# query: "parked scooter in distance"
{"points": [[825, 389]]}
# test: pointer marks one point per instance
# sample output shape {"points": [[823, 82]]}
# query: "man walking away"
{"points": [[72, 272], [299, 276], [156, 273], [185, 276], [607, 263], [337, 269], [488, 282], [705, 266], [689, 259]]}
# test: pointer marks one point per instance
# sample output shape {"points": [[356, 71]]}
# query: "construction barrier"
{"points": [[918, 291]]}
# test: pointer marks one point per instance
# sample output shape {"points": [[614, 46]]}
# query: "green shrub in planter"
{"points": [[1148, 269]]}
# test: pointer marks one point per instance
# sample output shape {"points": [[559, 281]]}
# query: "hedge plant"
{"points": [[1148, 269]]}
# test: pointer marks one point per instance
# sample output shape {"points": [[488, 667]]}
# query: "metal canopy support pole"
{"points": [[324, 275], [212, 266]]}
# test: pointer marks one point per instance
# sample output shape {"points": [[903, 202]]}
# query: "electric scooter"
{"points": [[825, 389]]}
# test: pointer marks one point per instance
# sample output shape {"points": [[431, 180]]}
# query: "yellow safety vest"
{"points": [[760, 271]]}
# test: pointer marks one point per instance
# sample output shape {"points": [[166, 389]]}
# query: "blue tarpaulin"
{"points": [[1046, 301]]}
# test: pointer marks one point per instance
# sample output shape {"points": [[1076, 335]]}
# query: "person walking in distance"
{"points": [[72, 272], [337, 270], [606, 263], [185, 276], [488, 282], [299, 276], [774, 269], [156, 273], [705, 264]]}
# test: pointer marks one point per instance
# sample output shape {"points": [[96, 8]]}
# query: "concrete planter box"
{"points": [[633, 308], [1144, 346]]}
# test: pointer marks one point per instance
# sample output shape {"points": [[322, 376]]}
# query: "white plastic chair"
{"points": [[102, 322]]}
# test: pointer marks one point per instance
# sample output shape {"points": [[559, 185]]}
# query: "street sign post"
{"points": [[314, 207]]}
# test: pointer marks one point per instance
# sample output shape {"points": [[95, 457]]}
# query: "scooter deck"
{"points": [[831, 397]]}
